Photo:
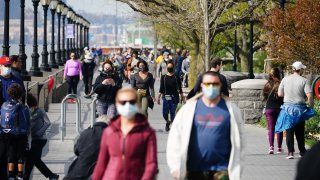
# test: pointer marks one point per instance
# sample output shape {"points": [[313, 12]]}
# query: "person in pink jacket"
{"points": [[128, 149], [72, 73]]}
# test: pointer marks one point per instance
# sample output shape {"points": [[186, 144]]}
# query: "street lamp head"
{"points": [[45, 2], [65, 10], [60, 7], [70, 12], [54, 4]]}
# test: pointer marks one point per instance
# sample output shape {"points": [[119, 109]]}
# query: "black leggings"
{"points": [[298, 130], [73, 83]]}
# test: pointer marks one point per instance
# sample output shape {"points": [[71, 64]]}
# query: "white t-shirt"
{"points": [[295, 88]]}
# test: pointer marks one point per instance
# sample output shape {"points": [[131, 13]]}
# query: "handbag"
{"points": [[142, 92]]}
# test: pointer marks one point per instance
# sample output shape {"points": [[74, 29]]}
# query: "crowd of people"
{"points": [[205, 139]]}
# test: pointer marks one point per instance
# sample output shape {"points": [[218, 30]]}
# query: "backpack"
{"points": [[13, 120]]}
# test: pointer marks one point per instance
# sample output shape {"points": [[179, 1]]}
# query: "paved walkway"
{"points": [[258, 165]]}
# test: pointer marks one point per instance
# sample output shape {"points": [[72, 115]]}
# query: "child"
{"points": [[39, 124], [15, 119]]}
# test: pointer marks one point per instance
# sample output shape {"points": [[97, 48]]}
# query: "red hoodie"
{"points": [[130, 157]]}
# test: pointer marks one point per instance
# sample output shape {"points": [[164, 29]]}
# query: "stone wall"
{"points": [[247, 94]]}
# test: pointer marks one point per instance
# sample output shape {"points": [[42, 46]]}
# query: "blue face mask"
{"points": [[128, 110], [5, 71], [211, 92]]}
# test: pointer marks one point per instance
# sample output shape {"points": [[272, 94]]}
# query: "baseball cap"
{"points": [[298, 65], [5, 60], [166, 53]]}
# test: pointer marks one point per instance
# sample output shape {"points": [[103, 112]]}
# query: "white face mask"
{"points": [[128, 110], [5, 71]]}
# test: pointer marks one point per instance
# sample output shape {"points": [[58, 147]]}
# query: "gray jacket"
{"points": [[39, 123]]}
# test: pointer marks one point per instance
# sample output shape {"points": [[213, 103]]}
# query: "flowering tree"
{"points": [[294, 34]]}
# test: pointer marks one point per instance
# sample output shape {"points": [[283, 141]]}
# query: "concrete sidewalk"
{"points": [[258, 165]]}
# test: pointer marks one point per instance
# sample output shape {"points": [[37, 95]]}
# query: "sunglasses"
{"points": [[215, 84], [132, 102]]}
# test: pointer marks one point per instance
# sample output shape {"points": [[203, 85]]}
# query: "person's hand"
{"points": [[183, 99], [158, 78], [111, 81], [153, 99], [158, 101], [64, 78], [81, 78], [175, 174], [105, 82]]}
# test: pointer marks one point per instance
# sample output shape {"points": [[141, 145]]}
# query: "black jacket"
{"points": [[309, 165], [88, 68], [87, 150], [107, 93]]}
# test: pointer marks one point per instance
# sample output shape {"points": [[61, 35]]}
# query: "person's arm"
{"points": [[161, 90], [197, 86], [309, 94], [103, 158], [183, 67], [151, 162], [224, 88], [134, 84], [65, 70], [46, 122], [310, 99], [180, 90], [98, 87], [151, 86], [280, 89], [80, 70]]}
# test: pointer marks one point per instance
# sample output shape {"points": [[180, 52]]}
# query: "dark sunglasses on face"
{"points": [[215, 84], [132, 102]]}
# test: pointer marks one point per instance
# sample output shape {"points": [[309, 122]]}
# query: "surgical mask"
{"points": [[211, 92], [5, 71], [142, 69], [170, 70], [128, 110]]}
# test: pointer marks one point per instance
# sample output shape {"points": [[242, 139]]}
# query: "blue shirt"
{"points": [[6, 83], [209, 145]]}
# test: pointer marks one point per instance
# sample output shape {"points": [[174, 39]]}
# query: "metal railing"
{"points": [[93, 111], [64, 115]]}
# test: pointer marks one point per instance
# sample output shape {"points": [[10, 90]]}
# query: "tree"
{"points": [[295, 32]]}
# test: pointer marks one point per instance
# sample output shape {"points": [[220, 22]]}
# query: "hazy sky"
{"points": [[96, 6]]}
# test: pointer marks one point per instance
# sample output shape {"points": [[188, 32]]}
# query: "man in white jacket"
{"points": [[205, 138]]}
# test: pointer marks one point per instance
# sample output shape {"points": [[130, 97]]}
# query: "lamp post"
{"points": [[81, 38], [5, 46], [77, 35], [45, 66], [69, 15], [84, 33], [250, 59], [53, 6], [88, 26], [234, 65], [35, 70], [60, 8], [64, 13], [22, 53], [73, 40]]}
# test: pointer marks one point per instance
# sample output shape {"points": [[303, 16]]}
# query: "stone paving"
{"points": [[258, 165]]}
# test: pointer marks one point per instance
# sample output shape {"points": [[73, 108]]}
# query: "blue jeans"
{"points": [[105, 108], [169, 107]]}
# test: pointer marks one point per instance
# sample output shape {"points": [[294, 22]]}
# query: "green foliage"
{"points": [[258, 61], [263, 122], [312, 125]]}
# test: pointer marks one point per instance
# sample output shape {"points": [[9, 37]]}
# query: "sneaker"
{"points": [[19, 178], [54, 177], [290, 156], [271, 150], [12, 178], [280, 150], [167, 126]]}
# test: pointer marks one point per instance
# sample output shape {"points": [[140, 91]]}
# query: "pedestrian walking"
{"points": [[72, 74], [170, 89], [132, 66], [272, 108], [88, 66], [39, 124], [128, 147], [294, 112], [87, 150], [106, 87], [216, 66], [152, 65], [185, 70], [144, 84], [163, 64], [205, 140], [15, 123]]}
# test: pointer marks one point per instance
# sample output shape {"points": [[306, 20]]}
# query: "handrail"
{"points": [[64, 114], [93, 111]]}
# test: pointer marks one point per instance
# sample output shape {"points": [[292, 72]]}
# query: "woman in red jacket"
{"points": [[128, 149]]}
